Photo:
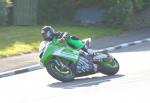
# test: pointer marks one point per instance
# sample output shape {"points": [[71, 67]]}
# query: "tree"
{"points": [[3, 13]]}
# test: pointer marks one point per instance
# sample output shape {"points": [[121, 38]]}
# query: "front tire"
{"points": [[64, 75]]}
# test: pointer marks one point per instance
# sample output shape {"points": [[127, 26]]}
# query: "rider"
{"points": [[48, 33]]}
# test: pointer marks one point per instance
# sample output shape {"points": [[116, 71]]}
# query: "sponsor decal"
{"points": [[65, 54]]}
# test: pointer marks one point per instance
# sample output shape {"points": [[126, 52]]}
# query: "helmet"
{"points": [[47, 33]]}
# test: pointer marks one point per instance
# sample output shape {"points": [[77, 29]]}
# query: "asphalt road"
{"points": [[130, 85]]}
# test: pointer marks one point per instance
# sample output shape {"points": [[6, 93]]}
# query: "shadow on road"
{"points": [[84, 82]]}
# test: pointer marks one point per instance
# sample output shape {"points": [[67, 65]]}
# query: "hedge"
{"points": [[116, 10], [55, 10], [61, 10]]}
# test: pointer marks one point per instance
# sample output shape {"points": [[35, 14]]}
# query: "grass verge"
{"points": [[15, 40]]}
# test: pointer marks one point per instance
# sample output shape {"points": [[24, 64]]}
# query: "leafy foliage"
{"points": [[116, 10], [55, 10]]}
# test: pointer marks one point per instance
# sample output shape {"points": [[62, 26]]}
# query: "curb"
{"points": [[20, 70], [37, 66], [124, 45]]}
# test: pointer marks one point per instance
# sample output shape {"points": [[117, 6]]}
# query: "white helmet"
{"points": [[47, 33]]}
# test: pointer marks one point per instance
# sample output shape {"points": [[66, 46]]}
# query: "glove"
{"points": [[65, 36]]}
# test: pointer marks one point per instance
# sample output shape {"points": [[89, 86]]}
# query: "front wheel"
{"points": [[62, 74], [109, 66]]}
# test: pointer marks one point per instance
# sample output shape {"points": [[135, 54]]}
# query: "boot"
{"points": [[91, 51]]}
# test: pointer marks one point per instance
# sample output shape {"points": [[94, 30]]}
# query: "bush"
{"points": [[117, 11], [55, 10]]}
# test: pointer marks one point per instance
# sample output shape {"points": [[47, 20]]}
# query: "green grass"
{"points": [[15, 40]]}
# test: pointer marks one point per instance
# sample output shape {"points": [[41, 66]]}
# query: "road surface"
{"points": [[130, 85]]}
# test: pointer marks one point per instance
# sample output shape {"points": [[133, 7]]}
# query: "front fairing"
{"points": [[42, 47], [55, 48]]}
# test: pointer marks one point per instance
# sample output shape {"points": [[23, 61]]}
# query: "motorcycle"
{"points": [[65, 63]]}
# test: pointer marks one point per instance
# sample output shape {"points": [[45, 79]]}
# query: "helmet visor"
{"points": [[49, 34]]}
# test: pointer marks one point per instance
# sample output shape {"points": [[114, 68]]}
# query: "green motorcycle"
{"points": [[64, 63]]}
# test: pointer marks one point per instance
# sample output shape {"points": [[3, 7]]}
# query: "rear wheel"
{"points": [[64, 74], [109, 66]]}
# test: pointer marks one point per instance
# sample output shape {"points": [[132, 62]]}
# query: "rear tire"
{"points": [[109, 69], [58, 73]]}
